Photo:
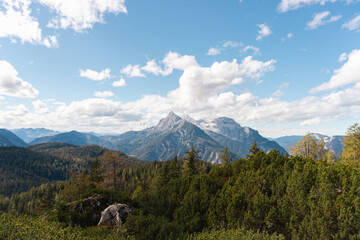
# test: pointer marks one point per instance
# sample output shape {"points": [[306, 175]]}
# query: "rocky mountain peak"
{"points": [[169, 122]]}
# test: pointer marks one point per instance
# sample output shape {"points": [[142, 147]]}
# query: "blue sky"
{"points": [[282, 67]]}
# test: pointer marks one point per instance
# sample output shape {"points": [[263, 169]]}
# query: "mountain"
{"points": [[29, 134], [170, 137], [238, 139], [73, 137], [174, 135], [8, 139], [331, 142]]}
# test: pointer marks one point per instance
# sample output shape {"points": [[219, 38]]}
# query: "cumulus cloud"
{"points": [[103, 94], [320, 19], [12, 85], [199, 86], [119, 83], [94, 75], [353, 24], [18, 23], [264, 31], [132, 71], [349, 73], [213, 51], [153, 67], [81, 15]]}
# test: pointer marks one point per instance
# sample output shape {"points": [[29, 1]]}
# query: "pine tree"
{"points": [[190, 162], [227, 156], [254, 148]]}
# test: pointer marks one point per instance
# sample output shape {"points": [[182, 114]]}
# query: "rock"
{"points": [[116, 213]]}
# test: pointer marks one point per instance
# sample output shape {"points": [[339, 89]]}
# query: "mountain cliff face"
{"points": [[238, 139], [8, 138], [331, 143]]}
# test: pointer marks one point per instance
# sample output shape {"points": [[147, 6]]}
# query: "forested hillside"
{"points": [[23, 168]]}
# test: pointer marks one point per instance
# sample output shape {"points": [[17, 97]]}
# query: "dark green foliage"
{"points": [[254, 148], [23, 168], [190, 162]]}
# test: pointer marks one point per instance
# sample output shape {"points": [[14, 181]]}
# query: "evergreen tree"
{"points": [[254, 148], [351, 151], [190, 162], [227, 156]]}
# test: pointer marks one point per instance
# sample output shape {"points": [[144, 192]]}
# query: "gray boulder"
{"points": [[114, 214]]}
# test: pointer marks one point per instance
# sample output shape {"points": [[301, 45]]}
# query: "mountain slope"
{"points": [[23, 168], [8, 138], [73, 137], [238, 139], [30, 134]]}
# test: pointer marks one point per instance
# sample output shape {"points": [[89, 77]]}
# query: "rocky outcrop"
{"points": [[114, 214]]}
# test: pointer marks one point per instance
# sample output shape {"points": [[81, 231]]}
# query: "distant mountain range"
{"points": [[29, 134], [331, 142], [172, 136]]}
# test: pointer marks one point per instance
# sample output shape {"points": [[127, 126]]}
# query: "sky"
{"points": [[282, 67]]}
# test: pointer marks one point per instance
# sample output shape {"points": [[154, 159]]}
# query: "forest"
{"points": [[309, 194]]}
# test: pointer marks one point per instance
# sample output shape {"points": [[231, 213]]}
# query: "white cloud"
{"points": [[199, 86], [12, 85], [40, 106], [81, 14], [16, 22], [321, 19], [152, 67], [353, 24], [311, 122], [104, 94], [343, 57], [232, 44], [277, 93], [264, 31], [132, 71], [286, 5], [94, 75], [119, 83], [349, 73], [176, 61], [213, 51], [289, 35], [252, 48]]}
